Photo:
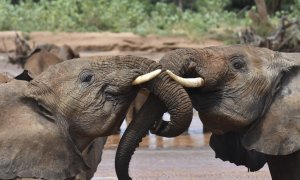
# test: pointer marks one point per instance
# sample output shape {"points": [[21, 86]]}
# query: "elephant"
{"points": [[91, 154], [249, 99], [39, 60], [46, 55], [43, 56], [48, 123], [64, 52], [24, 52]]}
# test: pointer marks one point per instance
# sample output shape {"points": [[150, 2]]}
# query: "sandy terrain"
{"points": [[105, 41]]}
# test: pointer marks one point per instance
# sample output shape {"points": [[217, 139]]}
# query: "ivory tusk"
{"points": [[187, 82], [146, 77]]}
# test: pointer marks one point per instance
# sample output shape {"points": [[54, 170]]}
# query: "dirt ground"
{"points": [[178, 164], [185, 157], [105, 41]]}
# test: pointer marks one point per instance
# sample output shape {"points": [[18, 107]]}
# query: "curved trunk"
{"points": [[171, 97]]}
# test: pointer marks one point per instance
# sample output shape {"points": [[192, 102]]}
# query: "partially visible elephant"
{"points": [[48, 123], [40, 60], [64, 52], [24, 51], [93, 152], [46, 55], [250, 101]]}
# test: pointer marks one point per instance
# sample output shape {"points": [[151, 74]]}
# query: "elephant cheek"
{"points": [[221, 123], [108, 107], [111, 115], [107, 114]]}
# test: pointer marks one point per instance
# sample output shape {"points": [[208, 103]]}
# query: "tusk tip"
{"points": [[187, 82], [146, 77]]}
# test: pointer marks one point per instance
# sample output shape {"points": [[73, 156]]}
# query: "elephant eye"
{"points": [[86, 77], [238, 63]]}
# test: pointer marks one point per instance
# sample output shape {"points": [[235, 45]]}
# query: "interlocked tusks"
{"points": [[187, 82], [146, 77]]}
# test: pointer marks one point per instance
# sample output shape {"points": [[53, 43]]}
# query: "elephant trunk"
{"points": [[166, 96]]}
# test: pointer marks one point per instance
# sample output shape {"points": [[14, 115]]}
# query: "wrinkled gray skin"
{"points": [[250, 101], [250, 98], [45, 55], [29, 139], [179, 106], [48, 123], [40, 59]]}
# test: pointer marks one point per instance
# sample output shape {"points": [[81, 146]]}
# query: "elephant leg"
{"points": [[285, 166]]}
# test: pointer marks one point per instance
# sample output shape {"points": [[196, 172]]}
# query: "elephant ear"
{"points": [[32, 145], [278, 131], [228, 147], [92, 155]]}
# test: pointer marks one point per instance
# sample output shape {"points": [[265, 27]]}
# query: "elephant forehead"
{"points": [[258, 59], [64, 69]]}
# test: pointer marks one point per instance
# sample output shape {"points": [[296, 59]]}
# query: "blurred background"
{"points": [[150, 28], [195, 19]]}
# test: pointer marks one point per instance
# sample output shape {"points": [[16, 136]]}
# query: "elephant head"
{"points": [[240, 82], [90, 95], [249, 98], [66, 107]]}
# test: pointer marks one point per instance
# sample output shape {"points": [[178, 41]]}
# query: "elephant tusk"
{"points": [[146, 77], [187, 82]]}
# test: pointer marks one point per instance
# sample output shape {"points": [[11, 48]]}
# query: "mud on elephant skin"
{"points": [[251, 96], [48, 123]]}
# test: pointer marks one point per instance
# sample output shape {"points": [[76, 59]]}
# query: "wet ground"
{"points": [[185, 157]]}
